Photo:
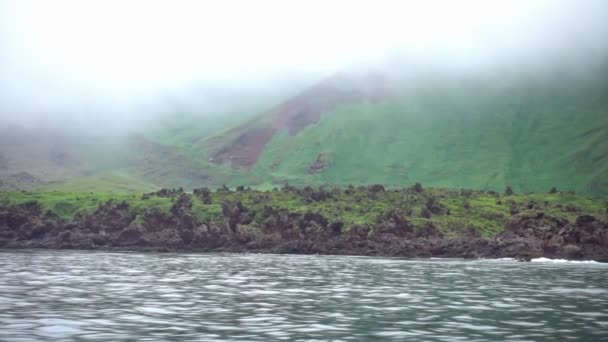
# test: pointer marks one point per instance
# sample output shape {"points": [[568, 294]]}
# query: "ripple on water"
{"points": [[217, 297]]}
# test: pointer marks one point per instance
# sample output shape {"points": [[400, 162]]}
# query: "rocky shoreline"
{"points": [[117, 226]]}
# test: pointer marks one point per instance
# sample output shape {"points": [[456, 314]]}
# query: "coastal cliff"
{"points": [[364, 220]]}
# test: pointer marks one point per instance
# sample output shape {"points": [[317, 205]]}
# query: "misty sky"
{"points": [[59, 57]]}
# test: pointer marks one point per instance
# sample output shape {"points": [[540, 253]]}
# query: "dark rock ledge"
{"points": [[113, 226]]}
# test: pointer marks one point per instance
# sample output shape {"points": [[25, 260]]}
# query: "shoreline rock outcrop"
{"points": [[415, 226], [527, 235]]}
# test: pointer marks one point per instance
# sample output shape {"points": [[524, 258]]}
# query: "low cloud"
{"points": [[104, 61]]}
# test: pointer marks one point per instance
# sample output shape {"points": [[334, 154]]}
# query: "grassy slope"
{"points": [[188, 129], [164, 152], [485, 212], [109, 181], [528, 132]]}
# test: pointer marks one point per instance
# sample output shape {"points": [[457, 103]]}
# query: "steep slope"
{"points": [[531, 127], [162, 150], [299, 112]]}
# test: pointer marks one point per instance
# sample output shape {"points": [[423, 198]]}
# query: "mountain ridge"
{"points": [[511, 129], [529, 127]]}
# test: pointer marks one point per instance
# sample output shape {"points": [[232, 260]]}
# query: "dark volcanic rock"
{"points": [[534, 233], [528, 234], [109, 217]]}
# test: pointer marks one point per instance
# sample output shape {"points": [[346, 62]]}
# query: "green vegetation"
{"points": [[109, 181], [451, 211], [531, 134], [67, 204], [527, 127]]}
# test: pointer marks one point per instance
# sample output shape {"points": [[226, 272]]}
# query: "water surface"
{"points": [[81, 296]]}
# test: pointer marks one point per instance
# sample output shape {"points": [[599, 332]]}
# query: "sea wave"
{"points": [[543, 259], [498, 259]]}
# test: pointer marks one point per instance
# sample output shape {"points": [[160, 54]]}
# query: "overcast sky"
{"points": [[61, 56]]}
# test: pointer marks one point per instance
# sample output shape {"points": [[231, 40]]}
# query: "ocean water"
{"points": [[100, 296]]}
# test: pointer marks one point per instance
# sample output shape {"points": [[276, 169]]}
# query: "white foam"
{"points": [[543, 259], [498, 259]]}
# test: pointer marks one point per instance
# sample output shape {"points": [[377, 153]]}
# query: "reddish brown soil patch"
{"points": [[301, 111], [246, 149]]}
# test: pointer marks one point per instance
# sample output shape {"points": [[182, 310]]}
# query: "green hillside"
{"points": [[532, 131], [162, 151], [527, 126]]}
